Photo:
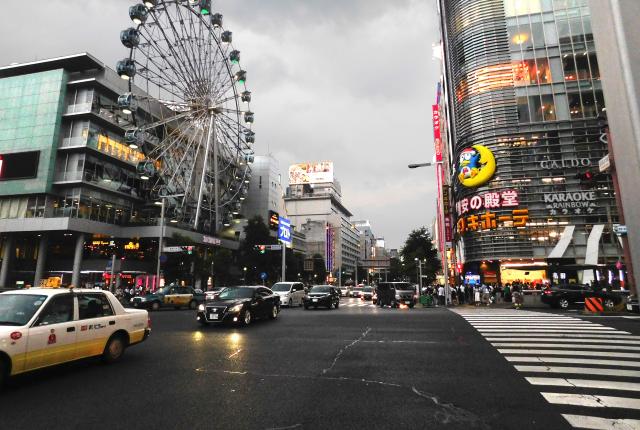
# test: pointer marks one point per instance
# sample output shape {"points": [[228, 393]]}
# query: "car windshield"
{"points": [[236, 293], [319, 289], [358, 289], [17, 309], [403, 287], [368, 289], [281, 287]]}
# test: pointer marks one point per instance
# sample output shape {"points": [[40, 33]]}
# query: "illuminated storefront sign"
{"points": [[490, 200], [436, 132], [477, 166], [565, 163], [492, 221], [132, 246], [578, 202]]}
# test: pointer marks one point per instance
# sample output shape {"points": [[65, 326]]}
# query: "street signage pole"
{"points": [[284, 235]]}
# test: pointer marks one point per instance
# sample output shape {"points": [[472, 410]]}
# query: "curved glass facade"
{"points": [[524, 82]]}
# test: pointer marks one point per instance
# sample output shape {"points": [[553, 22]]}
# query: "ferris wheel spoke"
{"points": [[189, 54], [167, 51]]}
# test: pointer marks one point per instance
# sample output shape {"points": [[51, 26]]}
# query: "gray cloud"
{"points": [[345, 80]]}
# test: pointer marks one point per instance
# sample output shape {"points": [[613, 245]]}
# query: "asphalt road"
{"points": [[355, 367]]}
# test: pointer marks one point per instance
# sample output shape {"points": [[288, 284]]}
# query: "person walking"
{"points": [[441, 295], [461, 296], [476, 295]]}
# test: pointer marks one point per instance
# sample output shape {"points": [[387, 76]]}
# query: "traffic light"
{"points": [[261, 248], [587, 178]]}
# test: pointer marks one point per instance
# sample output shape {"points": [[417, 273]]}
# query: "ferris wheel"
{"points": [[190, 105]]}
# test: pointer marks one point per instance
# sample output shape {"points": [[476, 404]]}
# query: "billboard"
{"points": [[436, 132], [311, 173]]}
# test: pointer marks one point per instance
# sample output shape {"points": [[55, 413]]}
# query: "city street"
{"points": [[355, 367]]}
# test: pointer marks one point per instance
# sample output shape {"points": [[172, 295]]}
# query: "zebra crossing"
{"points": [[351, 302], [578, 365]]}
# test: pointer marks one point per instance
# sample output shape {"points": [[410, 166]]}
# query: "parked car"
{"points": [[395, 294], [356, 291], [367, 293], [565, 295], [44, 327], [240, 305], [322, 296], [345, 291], [170, 296], [291, 293]]}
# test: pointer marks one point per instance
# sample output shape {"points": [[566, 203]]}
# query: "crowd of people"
{"points": [[478, 294]]}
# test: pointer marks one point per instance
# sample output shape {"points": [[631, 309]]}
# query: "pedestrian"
{"points": [[486, 294], [461, 295], [476, 294], [441, 295], [506, 293]]}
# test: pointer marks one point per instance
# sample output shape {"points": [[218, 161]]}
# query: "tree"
{"points": [[419, 245], [396, 272], [257, 233]]}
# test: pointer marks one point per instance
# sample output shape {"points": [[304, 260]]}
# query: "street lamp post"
{"points": [[161, 235], [441, 215]]}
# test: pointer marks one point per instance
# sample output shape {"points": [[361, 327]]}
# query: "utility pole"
{"points": [[284, 261]]}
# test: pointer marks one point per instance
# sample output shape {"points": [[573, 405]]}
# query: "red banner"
{"points": [[436, 132]]}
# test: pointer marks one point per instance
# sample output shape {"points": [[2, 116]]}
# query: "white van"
{"points": [[291, 293]]}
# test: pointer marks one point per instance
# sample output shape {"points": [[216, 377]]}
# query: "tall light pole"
{"points": [[162, 204], [441, 217]]}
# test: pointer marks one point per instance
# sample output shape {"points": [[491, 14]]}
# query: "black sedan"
{"points": [[565, 295], [240, 305], [322, 296]]}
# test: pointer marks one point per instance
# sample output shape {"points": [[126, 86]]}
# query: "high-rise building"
{"points": [[314, 205], [367, 239], [525, 127]]}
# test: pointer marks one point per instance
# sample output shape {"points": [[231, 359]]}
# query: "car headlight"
{"points": [[236, 308], [201, 308]]}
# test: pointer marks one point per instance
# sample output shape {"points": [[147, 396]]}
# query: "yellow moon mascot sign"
{"points": [[477, 166]]}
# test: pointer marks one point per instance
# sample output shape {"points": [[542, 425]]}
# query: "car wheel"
{"points": [[290, 303], [411, 306], [114, 350], [337, 305], [155, 306], [247, 317], [4, 372], [193, 305], [563, 303], [306, 307], [274, 312], [609, 305]]}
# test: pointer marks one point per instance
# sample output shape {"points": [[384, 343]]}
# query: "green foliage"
{"points": [[419, 245]]}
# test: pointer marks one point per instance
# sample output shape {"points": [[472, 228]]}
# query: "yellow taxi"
{"points": [[42, 327]]}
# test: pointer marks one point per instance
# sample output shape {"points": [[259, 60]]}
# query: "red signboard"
{"points": [[436, 132]]}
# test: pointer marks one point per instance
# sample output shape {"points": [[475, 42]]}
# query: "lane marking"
{"points": [[584, 383], [544, 339], [597, 423], [570, 353], [591, 400], [567, 346], [566, 335], [493, 330], [578, 370], [572, 360], [567, 327]]}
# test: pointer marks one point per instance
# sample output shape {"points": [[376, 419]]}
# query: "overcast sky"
{"points": [[350, 81]]}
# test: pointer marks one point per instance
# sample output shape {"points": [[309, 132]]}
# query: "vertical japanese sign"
{"points": [[446, 209], [436, 132], [329, 248]]}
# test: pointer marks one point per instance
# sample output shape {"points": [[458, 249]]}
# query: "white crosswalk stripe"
{"points": [[575, 362]]}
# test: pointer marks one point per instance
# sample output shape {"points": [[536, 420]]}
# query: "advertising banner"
{"points": [[436, 132], [311, 173]]}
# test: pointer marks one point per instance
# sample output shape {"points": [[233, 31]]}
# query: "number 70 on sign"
{"points": [[284, 230]]}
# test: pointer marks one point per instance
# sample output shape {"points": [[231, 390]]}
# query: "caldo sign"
{"points": [[566, 163]]}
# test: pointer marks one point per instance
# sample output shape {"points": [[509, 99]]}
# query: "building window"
{"points": [[530, 72], [521, 7]]}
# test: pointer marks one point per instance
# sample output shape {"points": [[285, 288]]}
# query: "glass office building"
{"points": [[523, 87], [70, 198]]}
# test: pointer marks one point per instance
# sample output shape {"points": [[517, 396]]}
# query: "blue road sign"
{"points": [[263, 276], [284, 230]]}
